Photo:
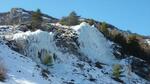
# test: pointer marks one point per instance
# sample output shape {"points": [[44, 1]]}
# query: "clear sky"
{"points": [[133, 15]]}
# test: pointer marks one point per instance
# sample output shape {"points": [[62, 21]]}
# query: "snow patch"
{"points": [[46, 18], [148, 41]]}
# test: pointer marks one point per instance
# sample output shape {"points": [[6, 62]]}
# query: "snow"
{"points": [[148, 41], [21, 11], [46, 18], [21, 70], [64, 70], [7, 30], [67, 68], [94, 44], [25, 13], [59, 25]]}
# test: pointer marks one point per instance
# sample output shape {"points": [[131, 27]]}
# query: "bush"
{"points": [[49, 27], [70, 20], [133, 45], [64, 21], [48, 59], [91, 21], [2, 72], [117, 71], [104, 29], [121, 40]]}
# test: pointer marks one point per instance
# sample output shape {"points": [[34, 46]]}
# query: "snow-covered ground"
{"points": [[67, 68], [20, 69], [148, 41]]}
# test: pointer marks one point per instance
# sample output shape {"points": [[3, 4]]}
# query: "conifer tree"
{"points": [[36, 20], [72, 19]]}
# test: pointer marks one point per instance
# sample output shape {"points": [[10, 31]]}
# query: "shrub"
{"points": [[49, 27], [2, 72], [133, 45], [64, 21], [104, 29], [48, 59], [117, 71], [91, 21], [121, 40], [72, 19]]}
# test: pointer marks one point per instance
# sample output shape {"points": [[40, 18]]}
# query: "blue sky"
{"points": [[133, 15]]}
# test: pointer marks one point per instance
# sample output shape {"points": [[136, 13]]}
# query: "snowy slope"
{"points": [[67, 68], [94, 44], [21, 70]]}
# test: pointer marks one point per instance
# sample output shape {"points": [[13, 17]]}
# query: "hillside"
{"points": [[79, 54]]}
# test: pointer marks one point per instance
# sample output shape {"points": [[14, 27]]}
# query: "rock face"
{"points": [[66, 40], [141, 68], [21, 16]]}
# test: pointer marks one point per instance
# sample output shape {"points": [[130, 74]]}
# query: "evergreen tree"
{"points": [[36, 20], [72, 19]]}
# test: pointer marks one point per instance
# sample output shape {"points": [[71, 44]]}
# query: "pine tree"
{"points": [[36, 20], [72, 19]]}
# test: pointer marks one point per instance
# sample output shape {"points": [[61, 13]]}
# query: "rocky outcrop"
{"points": [[140, 67], [66, 39], [21, 16]]}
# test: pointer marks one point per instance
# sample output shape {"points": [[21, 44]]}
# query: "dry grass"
{"points": [[2, 72]]}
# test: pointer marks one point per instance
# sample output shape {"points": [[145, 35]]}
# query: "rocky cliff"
{"points": [[21, 16]]}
